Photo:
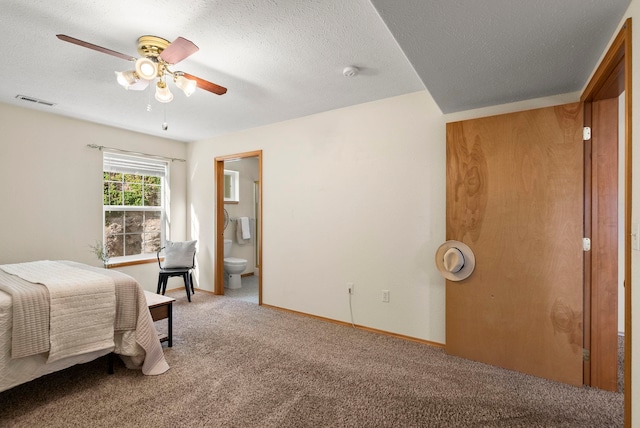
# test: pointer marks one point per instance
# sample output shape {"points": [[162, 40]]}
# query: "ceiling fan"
{"points": [[157, 55]]}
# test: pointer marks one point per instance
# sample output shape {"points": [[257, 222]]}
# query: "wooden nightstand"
{"points": [[161, 307]]}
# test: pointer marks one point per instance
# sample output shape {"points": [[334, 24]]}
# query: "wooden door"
{"points": [[603, 284], [515, 196]]}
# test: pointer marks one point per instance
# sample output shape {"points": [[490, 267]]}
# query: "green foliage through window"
{"points": [[132, 190], [130, 231]]}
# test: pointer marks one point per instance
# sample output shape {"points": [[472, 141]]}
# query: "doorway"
{"points": [[252, 199], [611, 83], [466, 206]]}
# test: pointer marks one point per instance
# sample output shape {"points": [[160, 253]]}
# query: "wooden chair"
{"points": [[179, 260]]}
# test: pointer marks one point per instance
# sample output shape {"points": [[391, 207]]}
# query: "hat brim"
{"points": [[469, 260]]}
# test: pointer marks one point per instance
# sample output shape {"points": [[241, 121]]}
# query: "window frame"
{"points": [[163, 208], [233, 179]]}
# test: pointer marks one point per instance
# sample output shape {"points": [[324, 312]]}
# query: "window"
{"points": [[231, 186], [134, 190]]}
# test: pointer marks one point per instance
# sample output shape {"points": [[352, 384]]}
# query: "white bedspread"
{"points": [[82, 310], [135, 337]]}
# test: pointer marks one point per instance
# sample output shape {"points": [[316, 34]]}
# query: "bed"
{"points": [[87, 312]]}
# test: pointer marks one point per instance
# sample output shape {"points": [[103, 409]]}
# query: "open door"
{"points": [[601, 262], [611, 80], [515, 197], [218, 286]]}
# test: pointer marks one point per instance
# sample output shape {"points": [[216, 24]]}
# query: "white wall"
{"points": [[51, 187], [350, 195]]}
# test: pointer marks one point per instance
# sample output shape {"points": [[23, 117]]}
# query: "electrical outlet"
{"points": [[385, 296], [350, 287]]}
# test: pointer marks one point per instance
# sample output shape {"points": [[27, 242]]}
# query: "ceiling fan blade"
{"points": [[206, 85], [94, 47], [178, 50]]}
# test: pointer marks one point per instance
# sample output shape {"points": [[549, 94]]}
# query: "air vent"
{"points": [[35, 100]]}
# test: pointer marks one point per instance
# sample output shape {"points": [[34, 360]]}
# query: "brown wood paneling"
{"points": [[515, 196], [628, 192], [587, 255], [614, 85], [604, 254], [218, 268]]}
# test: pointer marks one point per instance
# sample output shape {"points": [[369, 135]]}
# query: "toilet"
{"points": [[233, 267]]}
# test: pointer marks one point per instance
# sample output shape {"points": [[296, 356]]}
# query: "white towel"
{"points": [[246, 230], [239, 233]]}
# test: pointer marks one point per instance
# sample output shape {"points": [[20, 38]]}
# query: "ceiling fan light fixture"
{"points": [[130, 80], [163, 94], [140, 85], [156, 54], [126, 78], [146, 68], [188, 86]]}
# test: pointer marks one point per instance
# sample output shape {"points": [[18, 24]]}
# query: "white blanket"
{"points": [[82, 306]]}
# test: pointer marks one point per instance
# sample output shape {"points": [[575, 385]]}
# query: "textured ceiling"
{"points": [[474, 54], [282, 59]]}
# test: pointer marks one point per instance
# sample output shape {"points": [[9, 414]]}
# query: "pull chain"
{"points": [[165, 125]]}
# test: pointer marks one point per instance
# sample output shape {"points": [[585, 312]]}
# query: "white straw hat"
{"points": [[455, 260]]}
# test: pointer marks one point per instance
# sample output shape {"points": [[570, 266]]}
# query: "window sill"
{"points": [[131, 263]]}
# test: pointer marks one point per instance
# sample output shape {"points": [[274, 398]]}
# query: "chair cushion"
{"points": [[179, 254]]}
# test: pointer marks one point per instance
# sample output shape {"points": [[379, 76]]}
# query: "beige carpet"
{"points": [[236, 364]]}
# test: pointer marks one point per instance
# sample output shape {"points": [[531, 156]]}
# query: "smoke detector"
{"points": [[350, 71]]}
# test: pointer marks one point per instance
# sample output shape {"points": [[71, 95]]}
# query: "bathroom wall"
{"points": [[248, 169]]}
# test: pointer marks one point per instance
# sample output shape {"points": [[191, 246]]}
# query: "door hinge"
{"points": [[586, 355], [586, 133], [586, 244]]}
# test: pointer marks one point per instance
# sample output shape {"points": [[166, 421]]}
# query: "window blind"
{"points": [[128, 164]]}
